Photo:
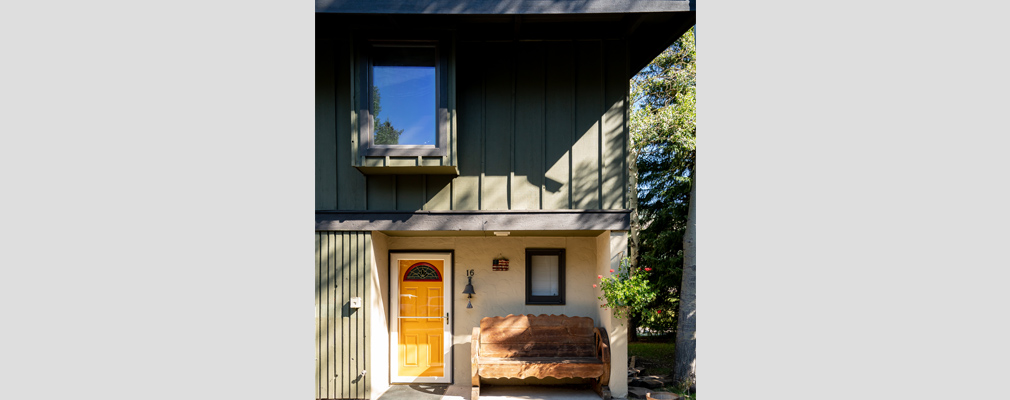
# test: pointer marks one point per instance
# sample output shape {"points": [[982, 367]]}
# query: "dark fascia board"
{"points": [[536, 220], [502, 6]]}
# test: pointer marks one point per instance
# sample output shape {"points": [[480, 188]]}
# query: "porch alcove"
{"points": [[588, 254]]}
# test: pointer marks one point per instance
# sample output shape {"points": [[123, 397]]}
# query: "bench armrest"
{"points": [[474, 354], [603, 352]]}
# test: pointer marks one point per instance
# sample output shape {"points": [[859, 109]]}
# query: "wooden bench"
{"points": [[528, 346]]}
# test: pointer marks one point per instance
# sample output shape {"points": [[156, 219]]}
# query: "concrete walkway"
{"points": [[490, 392]]}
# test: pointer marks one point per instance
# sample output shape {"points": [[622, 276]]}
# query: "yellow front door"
{"points": [[422, 319]]}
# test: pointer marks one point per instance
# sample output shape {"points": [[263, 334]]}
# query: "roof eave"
{"points": [[500, 7]]}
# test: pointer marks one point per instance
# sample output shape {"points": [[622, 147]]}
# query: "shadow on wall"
{"points": [[528, 140]]}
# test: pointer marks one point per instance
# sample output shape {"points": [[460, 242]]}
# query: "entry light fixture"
{"points": [[501, 233], [468, 290]]}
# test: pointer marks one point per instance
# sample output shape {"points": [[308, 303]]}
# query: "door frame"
{"points": [[394, 307]]}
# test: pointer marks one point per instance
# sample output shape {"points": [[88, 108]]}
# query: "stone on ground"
{"points": [[637, 392]]}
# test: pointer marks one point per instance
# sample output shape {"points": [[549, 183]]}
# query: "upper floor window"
{"points": [[405, 109]]}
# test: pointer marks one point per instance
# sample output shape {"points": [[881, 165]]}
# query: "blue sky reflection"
{"points": [[407, 100]]}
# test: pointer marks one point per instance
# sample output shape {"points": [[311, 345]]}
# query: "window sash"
{"points": [[545, 276]]}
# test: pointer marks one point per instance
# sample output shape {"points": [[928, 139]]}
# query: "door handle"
{"points": [[447, 318]]}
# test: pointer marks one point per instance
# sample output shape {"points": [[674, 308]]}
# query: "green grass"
{"points": [[656, 357], [651, 351]]}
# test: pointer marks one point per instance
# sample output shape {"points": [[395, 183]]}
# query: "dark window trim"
{"points": [[366, 123], [558, 300]]}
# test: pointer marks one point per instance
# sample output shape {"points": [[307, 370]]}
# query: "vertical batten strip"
{"points": [[324, 314], [331, 287], [543, 127], [359, 265], [319, 310], [323, 322], [354, 316], [366, 305], [483, 127], [345, 318], [599, 127], [510, 191], [626, 131], [337, 285], [351, 315], [344, 340], [571, 138], [453, 125]]}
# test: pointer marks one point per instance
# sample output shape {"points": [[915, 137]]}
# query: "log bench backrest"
{"points": [[537, 336]]}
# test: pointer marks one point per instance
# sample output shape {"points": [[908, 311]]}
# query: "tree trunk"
{"points": [[684, 354], [632, 329], [633, 244]]}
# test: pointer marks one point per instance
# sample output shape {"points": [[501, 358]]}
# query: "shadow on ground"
{"points": [[415, 391]]}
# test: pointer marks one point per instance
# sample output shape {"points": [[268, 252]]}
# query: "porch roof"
{"points": [[503, 6], [474, 221]]}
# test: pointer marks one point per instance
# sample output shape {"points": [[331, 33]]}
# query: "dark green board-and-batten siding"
{"points": [[342, 334], [541, 125]]}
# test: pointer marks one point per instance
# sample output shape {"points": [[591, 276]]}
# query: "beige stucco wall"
{"points": [[379, 285], [611, 247]]}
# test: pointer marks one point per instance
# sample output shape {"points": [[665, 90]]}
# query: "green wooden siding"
{"points": [[326, 121], [342, 337], [540, 125], [560, 114], [528, 157]]}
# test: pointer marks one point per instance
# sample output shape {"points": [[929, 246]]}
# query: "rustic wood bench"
{"points": [[528, 346]]}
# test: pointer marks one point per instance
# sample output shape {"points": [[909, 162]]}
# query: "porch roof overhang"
{"points": [[502, 6], [475, 221], [648, 26]]}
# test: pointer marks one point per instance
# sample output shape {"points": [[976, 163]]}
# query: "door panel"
{"points": [[422, 323]]}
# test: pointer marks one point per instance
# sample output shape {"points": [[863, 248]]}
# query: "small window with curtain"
{"points": [[545, 276]]}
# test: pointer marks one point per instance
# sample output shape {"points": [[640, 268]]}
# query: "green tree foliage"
{"points": [[663, 149], [386, 134], [384, 131]]}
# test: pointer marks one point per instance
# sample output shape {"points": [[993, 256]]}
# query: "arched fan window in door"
{"points": [[422, 271]]}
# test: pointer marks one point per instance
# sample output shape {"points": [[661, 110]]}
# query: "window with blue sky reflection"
{"points": [[404, 105]]}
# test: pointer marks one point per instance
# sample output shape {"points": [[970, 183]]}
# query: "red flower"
{"points": [[659, 311], [611, 271], [647, 269], [594, 285], [599, 276]]}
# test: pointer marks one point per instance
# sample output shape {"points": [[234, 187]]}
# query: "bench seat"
{"points": [[539, 367], [544, 346]]}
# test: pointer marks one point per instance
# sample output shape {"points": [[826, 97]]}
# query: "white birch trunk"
{"points": [[684, 354]]}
